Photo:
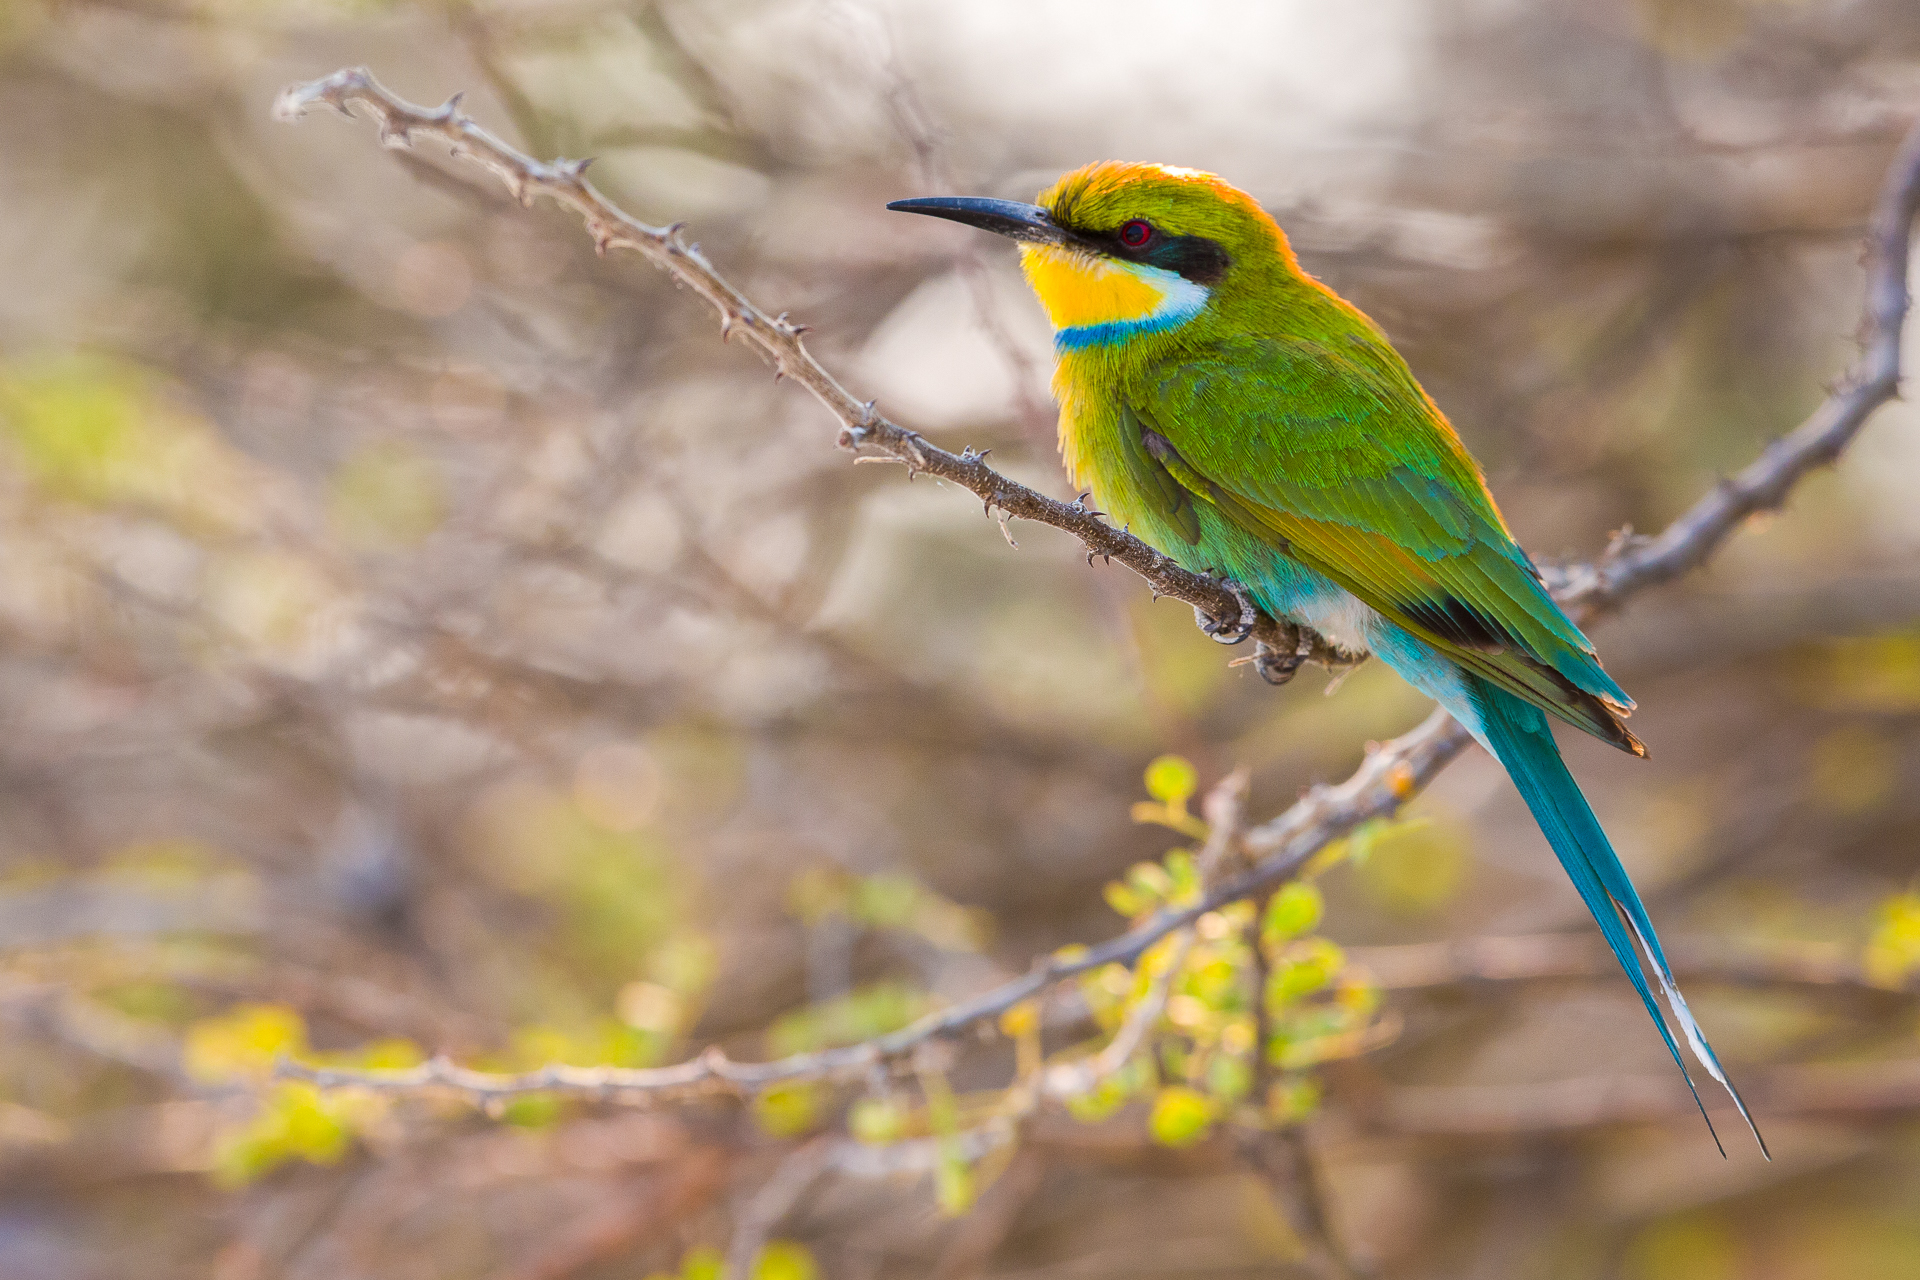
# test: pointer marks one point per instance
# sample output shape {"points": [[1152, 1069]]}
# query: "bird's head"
{"points": [[1120, 250]]}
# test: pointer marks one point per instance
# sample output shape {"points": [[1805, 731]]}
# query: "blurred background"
{"points": [[420, 636]]}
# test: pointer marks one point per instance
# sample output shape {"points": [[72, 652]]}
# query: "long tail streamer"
{"points": [[1520, 737]]}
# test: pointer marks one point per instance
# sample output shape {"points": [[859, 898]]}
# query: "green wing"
{"points": [[1340, 460]]}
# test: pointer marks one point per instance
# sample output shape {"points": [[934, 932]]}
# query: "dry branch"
{"points": [[782, 343], [1392, 773]]}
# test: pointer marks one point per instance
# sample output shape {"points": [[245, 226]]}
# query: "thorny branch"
{"points": [[782, 343], [1279, 848]]}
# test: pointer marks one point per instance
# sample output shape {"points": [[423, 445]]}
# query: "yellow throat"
{"points": [[1093, 299]]}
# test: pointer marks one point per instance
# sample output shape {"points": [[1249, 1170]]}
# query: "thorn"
{"points": [[675, 228], [915, 442], [395, 134], [450, 109], [868, 410], [726, 326]]}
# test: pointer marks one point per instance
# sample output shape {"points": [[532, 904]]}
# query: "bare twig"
{"points": [[1764, 484], [1081, 1076], [770, 1205], [776, 338], [1284, 1160], [992, 1218], [1392, 773]]}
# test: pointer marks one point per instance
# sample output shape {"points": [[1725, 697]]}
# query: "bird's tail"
{"points": [[1521, 738]]}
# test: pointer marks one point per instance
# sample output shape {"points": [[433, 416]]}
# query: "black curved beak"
{"points": [[1009, 218]]}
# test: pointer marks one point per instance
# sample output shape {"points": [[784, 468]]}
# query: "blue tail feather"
{"points": [[1520, 737]]}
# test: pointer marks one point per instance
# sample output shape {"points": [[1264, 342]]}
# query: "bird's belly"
{"points": [[1337, 614], [1281, 585]]}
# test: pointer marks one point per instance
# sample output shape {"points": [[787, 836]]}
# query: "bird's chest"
{"points": [[1103, 455]]}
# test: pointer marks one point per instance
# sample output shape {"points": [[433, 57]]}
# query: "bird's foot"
{"points": [[1239, 628], [1278, 666]]}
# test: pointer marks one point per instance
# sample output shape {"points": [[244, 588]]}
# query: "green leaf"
{"points": [[1410, 867], [886, 901], [1893, 952], [1306, 968], [1180, 1117], [876, 1121], [1228, 1078], [1099, 1102], [872, 1010], [1126, 902], [1292, 1100], [1692, 1246], [296, 1122], [532, 1110], [953, 1182], [785, 1260], [1171, 779], [1216, 983], [1150, 880], [703, 1262], [788, 1110], [1184, 874], [1294, 911], [244, 1042]]}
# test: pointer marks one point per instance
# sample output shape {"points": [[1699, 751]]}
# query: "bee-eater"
{"points": [[1244, 419]]}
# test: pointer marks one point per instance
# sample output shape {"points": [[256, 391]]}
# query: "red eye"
{"points": [[1136, 233]]}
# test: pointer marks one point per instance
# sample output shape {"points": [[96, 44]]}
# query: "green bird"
{"points": [[1244, 419]]}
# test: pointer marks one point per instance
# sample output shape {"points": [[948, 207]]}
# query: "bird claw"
{"points": [[1229, 632], [1277, 667]]}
